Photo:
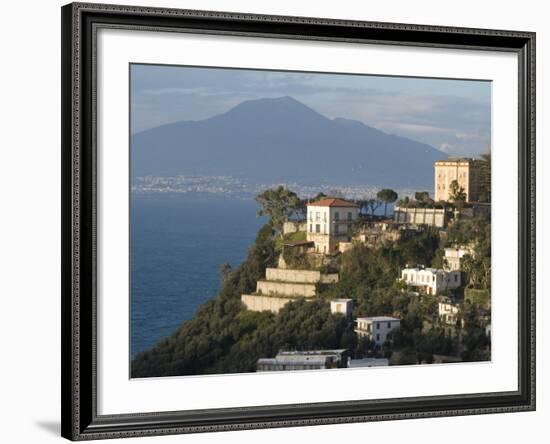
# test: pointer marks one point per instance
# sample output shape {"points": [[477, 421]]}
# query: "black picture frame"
{"points": [[80, 420]]}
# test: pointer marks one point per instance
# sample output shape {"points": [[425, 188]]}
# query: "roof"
{"points": [[295, 360], [456, 159], [428, 270], [311, 352], [333, 202], [378, 318]]}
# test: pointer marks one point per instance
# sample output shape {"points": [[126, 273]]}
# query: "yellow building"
{"points": [[329, 222], [465, 171]]}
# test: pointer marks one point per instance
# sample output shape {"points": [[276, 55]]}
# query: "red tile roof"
{"points": [[333, 202]]}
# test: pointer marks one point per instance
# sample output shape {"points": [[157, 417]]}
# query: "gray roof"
{"points": [[378, 318]]}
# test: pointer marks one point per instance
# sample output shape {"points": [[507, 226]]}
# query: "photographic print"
{"points": [[285, 221]]}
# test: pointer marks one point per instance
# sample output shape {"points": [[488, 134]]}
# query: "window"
{"points": [[336, 229], [325, 216], [325, 228], [377, 336], [317, 216], [349, 215], [336, 215], [389, 324], [378, 325], [349, 227], [317, 228], [311, 228], [456, 277]]}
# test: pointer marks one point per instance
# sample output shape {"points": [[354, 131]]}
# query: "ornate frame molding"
{"points": [[80, 22]]}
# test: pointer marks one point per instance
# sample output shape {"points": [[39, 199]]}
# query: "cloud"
{"points": [[455, 115]]}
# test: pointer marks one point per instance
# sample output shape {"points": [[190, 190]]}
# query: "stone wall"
{"points": [[293, 227], [299, 276], [285, 288], [264, 303], [420, 216]]}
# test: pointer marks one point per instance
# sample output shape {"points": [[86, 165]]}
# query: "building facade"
{"points": [[464, 170], [431, 280], [454, 255], [343, 306], [434, 217], [377, 328], [329, 222], [303, 360]]}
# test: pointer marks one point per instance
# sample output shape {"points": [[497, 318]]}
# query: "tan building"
{"points": [[465, 171], [454, 255], [329, 222]]}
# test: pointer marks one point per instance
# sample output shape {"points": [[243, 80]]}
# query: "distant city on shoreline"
{"points": [[227, 186]]}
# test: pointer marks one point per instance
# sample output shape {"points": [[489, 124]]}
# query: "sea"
{"points": [[178, 243]]}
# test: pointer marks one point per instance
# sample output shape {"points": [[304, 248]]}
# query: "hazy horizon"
{"points": [[453, 116]]}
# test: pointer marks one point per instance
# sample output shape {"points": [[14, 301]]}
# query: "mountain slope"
{"points": [[276, 140]]}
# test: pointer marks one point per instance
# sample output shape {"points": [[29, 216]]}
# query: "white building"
{"points": [[448, 312], [377, 328], [329, 222], [368, 362], [431, 280], [454, 255], [343, 306], [303, 360]]}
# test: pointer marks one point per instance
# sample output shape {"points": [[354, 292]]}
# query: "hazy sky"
{"points": [[451, 115]]}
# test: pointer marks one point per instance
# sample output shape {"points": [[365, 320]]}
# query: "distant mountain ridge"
{"points": [[279, 140]]}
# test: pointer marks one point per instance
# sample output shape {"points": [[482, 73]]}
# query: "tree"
{"points": [[421, 196], [404, 202], [373, 205], [457, 193], [485, 178], [278, 204], [369, 205], [387, 196]]}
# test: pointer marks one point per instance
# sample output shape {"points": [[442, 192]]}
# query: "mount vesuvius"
{"points": [[279, 140]]}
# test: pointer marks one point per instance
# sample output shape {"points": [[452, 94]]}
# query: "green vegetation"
{"points": [[279, 204], [457, 194], [297, 259], [223, 337], [476, 296], [477, 266], [485, 178], [298, 236], [387, 196]]}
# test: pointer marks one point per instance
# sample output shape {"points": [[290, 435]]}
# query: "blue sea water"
{"points": [[178, 243]]}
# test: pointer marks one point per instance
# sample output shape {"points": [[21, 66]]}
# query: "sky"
{"points": [[453, 116]]}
